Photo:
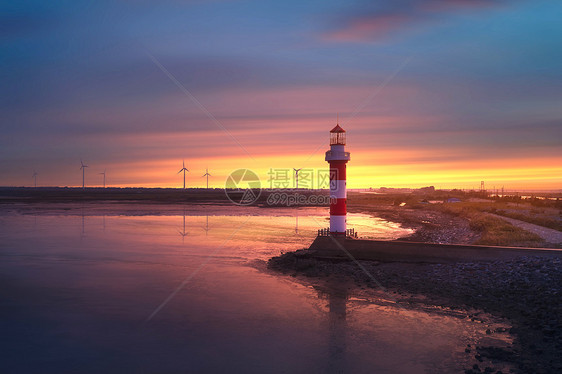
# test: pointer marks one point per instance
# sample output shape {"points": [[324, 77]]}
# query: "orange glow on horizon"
{"points": [[403, 150], [371, 169]]}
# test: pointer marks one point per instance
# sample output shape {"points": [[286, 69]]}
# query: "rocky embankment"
{"points": [[526, 291]]}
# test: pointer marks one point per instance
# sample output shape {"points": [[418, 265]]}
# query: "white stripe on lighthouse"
{"points": [[338, 189], [337, 223]]}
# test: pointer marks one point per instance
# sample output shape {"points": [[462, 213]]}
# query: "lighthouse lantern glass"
{"points": [[337, 138]]}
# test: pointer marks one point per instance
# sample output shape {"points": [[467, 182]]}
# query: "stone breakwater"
{"points": [[526, 291]]}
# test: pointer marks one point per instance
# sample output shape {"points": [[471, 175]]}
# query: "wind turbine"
{"points": [[83, 167], [34, 176], [207, 175], [103, 177], [297, 176], [184, 170]]}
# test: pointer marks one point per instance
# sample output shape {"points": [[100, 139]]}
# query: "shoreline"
{"points": [[433, 226]]}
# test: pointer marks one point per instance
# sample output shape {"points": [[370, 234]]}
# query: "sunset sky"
{"points": [[431, 92]]}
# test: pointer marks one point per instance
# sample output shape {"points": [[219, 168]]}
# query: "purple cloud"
{"points": [[376, 20]]}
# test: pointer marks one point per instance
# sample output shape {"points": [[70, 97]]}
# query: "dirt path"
{"points": [[549, 235]]}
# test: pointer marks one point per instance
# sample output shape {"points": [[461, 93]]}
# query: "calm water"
{"points": [[183, 289]]}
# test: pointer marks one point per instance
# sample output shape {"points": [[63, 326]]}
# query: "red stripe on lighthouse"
{"points": [[338, 203], [338, 207], [338, 170]]}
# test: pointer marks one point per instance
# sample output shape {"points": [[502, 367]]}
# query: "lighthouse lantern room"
{"points": [[337, 157], [337, 136]]}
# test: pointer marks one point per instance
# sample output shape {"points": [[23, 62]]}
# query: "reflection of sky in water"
{"points": [[77, 289]]}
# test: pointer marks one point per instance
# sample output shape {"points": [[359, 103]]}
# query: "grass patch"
{"points": [[467, 209], [496, 231]]}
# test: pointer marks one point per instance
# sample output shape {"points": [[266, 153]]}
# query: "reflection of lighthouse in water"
{"points": [[336, 294]]}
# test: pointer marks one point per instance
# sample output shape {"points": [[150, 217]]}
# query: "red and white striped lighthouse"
{"points": [[337, 157]]}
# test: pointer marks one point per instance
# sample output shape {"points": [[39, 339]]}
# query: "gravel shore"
{"points": [[431, 226], [527, 292]]}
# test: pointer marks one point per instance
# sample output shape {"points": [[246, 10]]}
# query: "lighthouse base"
{"points": [[341, 248], [348, 233]]}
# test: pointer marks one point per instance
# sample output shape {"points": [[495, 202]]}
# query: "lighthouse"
{"points": [[337, 157]]}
